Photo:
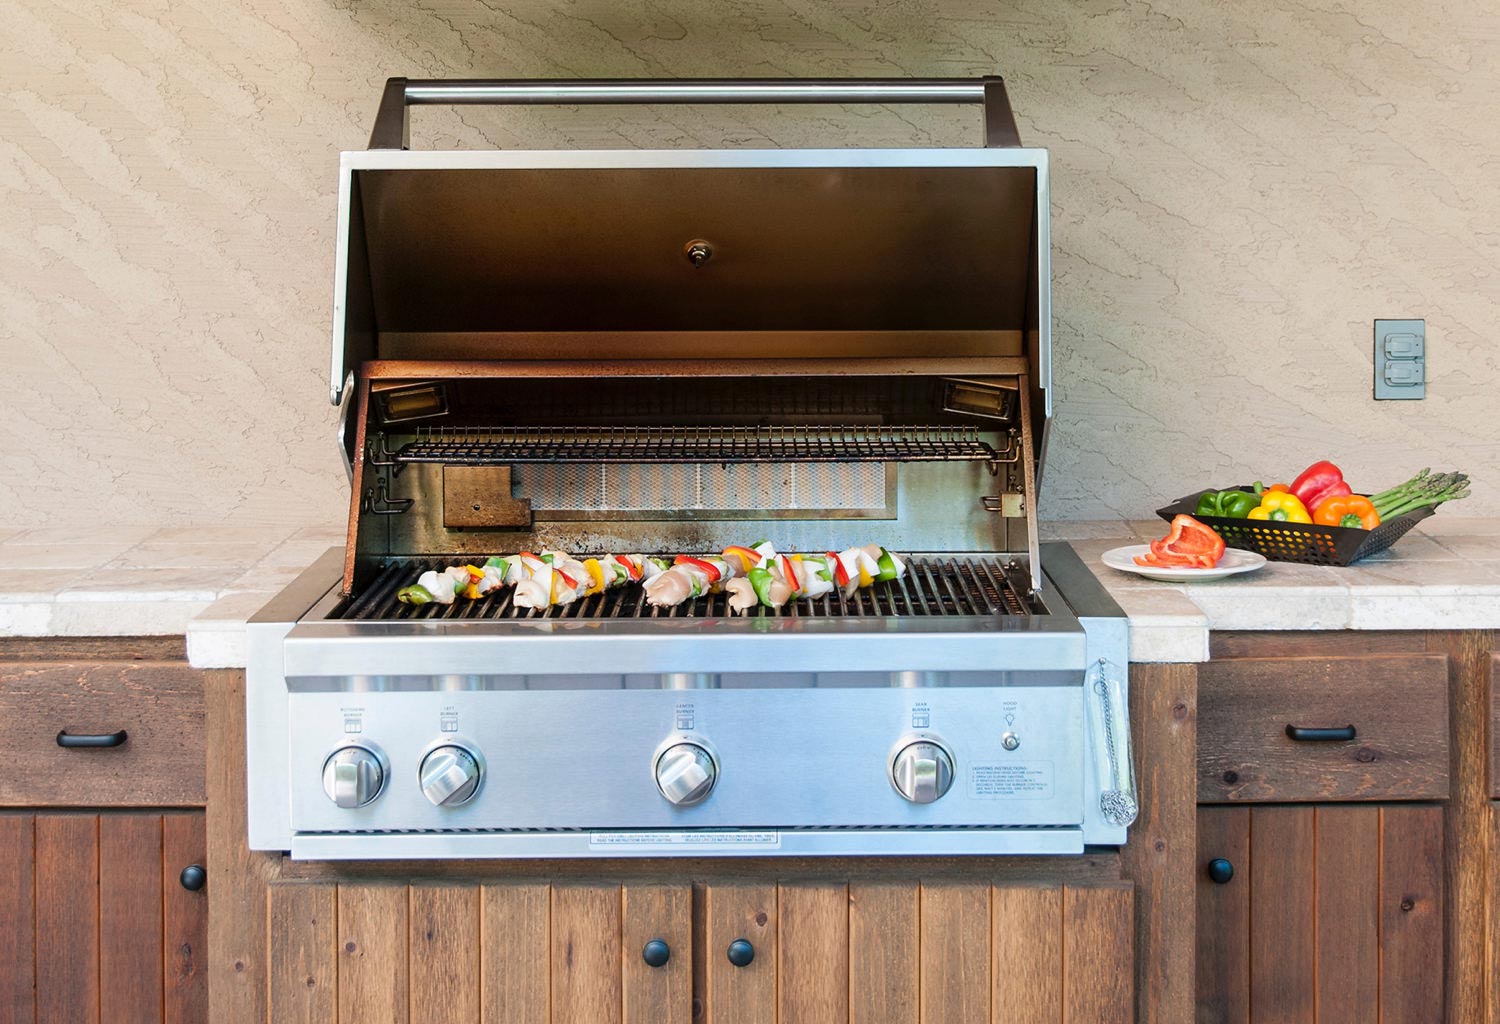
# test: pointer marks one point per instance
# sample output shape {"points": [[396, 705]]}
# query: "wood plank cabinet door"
{"points": [[95, 923], [1326, 913], [915, 953]]}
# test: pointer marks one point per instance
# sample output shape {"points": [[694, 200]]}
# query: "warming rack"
{"points": [[698, 444], [935, 585]]}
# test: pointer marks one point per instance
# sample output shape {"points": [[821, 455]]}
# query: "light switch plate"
{"points": [[1401, 359]]}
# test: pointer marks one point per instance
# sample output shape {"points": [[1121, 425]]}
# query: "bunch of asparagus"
{"points": [[1421, 491]]}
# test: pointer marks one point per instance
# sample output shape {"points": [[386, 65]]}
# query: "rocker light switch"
{"points": [[1400, 358]]}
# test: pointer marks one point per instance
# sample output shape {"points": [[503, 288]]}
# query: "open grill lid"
{"points": [[604, 263]]}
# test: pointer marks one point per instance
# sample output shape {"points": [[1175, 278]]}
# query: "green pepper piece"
{"points": [[760, 582], [1236, 504], [886, 566], [1208, 504], [414, 594]]}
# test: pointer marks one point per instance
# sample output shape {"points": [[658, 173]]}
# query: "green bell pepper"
{"points": [[1227, 504]]}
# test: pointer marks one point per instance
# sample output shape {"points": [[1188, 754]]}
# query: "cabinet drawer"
{"points": [[1397, 704], [158, 705], [1495, 726]]}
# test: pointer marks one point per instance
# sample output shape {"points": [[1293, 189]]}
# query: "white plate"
{"points": [[1234, 562]]}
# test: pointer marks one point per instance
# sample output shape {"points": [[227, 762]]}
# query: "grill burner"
{"points": [[935, 585]]}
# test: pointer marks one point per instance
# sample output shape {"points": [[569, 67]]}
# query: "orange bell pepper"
{"points": [[1352, 510]]}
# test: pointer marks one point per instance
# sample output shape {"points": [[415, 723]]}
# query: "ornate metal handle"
{"points": [[1110, 720], [1302, 735], [108, 739]]}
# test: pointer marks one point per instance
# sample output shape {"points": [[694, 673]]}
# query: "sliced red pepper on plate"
{"points": [[707, 568], [1190, 544]]}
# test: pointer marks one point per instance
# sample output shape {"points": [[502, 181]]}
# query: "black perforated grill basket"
{"points": [[1307, 543]]}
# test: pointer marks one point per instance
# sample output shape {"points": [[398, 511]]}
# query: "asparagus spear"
{"points": [[1421, 491]]}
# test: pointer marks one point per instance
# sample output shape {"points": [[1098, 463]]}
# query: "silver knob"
{"points": [[685, 774], [353, 776], [922, 772], [450, 775]]}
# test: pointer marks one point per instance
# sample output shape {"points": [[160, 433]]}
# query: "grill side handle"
{"points": [[393, 130], [1109, 729]]}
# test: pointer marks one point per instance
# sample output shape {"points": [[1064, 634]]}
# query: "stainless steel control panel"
{"points": [[742, 758]]}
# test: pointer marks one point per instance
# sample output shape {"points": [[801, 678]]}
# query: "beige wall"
{"points": [[1239, 189]]}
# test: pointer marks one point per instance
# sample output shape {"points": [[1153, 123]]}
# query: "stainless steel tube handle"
{"points": [[392, 128], [1109, 721]]}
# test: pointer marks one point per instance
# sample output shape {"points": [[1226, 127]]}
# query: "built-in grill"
{"points": [[672, 352]]}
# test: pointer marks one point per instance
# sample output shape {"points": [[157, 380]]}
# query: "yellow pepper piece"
{"points": [[1280, 506], [865, 579], [596, 575]]}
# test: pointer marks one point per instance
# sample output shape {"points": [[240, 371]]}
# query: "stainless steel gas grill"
{"points": [[674, 352]]}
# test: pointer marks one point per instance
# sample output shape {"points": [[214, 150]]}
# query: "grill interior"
{"points": [[935, 585]]}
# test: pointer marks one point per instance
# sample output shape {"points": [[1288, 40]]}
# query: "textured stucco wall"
{"points": [[1239, 189]]}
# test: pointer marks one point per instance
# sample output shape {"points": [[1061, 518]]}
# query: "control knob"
{"points": [[685, 774], [922, 771], [450, 775], [354, 775]]}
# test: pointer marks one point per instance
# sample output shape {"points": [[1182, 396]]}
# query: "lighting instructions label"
{"points": [[757, 840], [1011, 780]]}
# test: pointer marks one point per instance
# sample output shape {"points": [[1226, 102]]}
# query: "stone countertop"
{"points": [[205, 582], [1444, 574], [201, 581]]}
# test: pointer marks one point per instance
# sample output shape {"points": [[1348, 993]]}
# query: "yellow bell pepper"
{"points": [[1281, 507]]}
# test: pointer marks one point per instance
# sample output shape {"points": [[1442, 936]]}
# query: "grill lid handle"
{"points": [[392, 126]]}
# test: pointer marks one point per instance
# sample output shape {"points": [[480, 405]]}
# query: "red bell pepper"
{"points": [[1318, 481], [789, 574], [707, 568], [1190, 544], [631, 569], [840, 574]]}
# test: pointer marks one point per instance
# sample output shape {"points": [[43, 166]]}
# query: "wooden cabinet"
{"points": [[782, 952], [1273, 728], [95, 924], [1332, 913]]}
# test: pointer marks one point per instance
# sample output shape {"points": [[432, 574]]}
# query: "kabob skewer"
{"points": [[751, 576]]}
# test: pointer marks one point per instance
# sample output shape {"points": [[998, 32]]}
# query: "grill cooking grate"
{"points": [[935, 585], [486, 446]]}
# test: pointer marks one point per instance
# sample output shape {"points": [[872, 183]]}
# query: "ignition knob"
{"points": [[354, 775], [685, 774], [922, 772], [450, 775]]}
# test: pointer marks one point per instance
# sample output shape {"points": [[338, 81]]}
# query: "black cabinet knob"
{"points": [[741, 952], [656, 953], [193, 877], [1220, 870]]}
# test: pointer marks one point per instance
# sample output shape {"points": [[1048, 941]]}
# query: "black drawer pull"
{"points": [[1220, 871], [108, 739], [193, 877], [1320, 735], [741, 952]]}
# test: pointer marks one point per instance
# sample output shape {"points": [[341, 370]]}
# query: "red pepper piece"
{"points": [[707, 568], [840, 574], [1318, 481], [631, 569], [1190, 543]]}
